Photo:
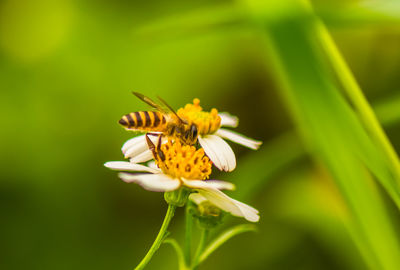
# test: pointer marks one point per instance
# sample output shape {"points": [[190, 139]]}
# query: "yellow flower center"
{"points": [[183, 161], [206, 122]]}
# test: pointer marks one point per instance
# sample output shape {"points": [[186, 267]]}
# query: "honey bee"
{"points": [[164, 119]]}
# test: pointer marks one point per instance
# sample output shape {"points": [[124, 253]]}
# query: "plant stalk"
{"points": [[188, 234], [159, 239], [200, 248]]}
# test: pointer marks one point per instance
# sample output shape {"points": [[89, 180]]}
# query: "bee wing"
{"points": [[150, 102], [169, 109]]}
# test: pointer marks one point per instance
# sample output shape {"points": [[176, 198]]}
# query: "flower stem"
{"points": [[200, 248], [188, 233], [159, 239]]}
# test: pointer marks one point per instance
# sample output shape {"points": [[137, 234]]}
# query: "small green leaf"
{"points": [[225, 236]]}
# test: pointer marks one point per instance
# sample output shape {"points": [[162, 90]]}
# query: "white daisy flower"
{"points": [[211, 137], [183, 167]]}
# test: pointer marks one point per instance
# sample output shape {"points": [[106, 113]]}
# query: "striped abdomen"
{"points": [[144, 121]]}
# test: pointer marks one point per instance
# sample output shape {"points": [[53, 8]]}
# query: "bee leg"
{"points": [[160, 153], [159, 135], [151, 145], [159, 141], [153, 134]]}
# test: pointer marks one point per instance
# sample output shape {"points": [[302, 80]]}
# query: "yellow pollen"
{"points": [[184, 161], [206, 122]]}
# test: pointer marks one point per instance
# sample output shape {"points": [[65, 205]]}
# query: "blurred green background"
{"points": [[67, 69]]}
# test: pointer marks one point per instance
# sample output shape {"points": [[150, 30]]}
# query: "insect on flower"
{"points": [[190, 124], [182, 167], [164, 120]]}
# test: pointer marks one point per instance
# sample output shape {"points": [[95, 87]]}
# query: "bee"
{"points": [[164, 119]]}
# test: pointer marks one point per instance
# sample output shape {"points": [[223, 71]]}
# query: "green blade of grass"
{"points": [[353, 91], [194, 23], [388, 110], [307, 198], [286, 150], [334, 133], [228, 17], [362, 14]]}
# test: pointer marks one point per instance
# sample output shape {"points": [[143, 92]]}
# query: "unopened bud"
{"points": [[177, 197], [207, 214]]}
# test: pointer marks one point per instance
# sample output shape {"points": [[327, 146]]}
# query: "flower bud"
{"points": [[177, 197], [207, 214]]}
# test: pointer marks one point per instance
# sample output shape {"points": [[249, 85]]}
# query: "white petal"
{"points": [[197, 198], [136, 149], [236, 208], [152, 182], [139, 145], [249, 213], [195, 184], [132, 142], [215, 196], [228, 120], [127, 166], [238, 138], [152, 164], [219, 152], [218, 184], [143, 157], [204, 142], [223, 201]]}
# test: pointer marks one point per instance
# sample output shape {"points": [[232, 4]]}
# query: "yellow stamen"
{"points": [[184, 161], [206, 122]]}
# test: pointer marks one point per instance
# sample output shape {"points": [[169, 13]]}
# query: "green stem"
{"points": [[200, 248], [179, 253], [188, 233], [353, 90], [159, 239]]}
